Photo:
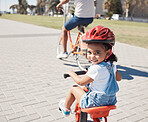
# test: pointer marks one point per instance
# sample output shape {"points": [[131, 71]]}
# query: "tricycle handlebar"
{"points": [[77, 72]]}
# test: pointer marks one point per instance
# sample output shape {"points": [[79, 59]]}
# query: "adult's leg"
{"points": [[69, 25], [64, 39], [75, 93]]}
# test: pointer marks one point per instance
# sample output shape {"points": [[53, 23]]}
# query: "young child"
{"points": [[101, 76]]}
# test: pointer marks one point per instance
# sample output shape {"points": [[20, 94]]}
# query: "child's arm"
{"points": [[80, 80], [118, 76]]}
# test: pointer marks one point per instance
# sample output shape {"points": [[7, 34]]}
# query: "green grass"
{"points": [[134, 33]]}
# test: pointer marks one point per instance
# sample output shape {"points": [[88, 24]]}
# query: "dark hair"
{"points": [[112, 57]]}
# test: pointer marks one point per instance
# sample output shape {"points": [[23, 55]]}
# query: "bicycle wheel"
{"points": [[83, 117], [70, 60], [81, 58], [59, 45]]}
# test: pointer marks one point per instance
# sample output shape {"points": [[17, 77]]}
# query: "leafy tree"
{"points": [[13, 7], [136, 8], [32, 8], [44, 6], [41, 6], [113, 7], [22, 7], [20, 2], [51, 6]]}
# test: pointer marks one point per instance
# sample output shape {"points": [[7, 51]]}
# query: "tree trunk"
{"points": [[126, 13], [132, 12]]}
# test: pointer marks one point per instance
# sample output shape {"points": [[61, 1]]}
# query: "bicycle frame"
{"points": [[77, 43], [76, 47]]}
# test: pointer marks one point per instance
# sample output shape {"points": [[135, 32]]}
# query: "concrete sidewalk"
{"points": [[32, 83]]}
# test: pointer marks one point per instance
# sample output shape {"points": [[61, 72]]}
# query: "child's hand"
{"points": [[118, 76], [71, 73], [80, 80]]}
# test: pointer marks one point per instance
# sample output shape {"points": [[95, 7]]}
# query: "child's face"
{"points": [[96, 53]]}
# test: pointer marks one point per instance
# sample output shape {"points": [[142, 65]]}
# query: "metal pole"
{"points": [[6, 5], [0, 5], [64, 13]]}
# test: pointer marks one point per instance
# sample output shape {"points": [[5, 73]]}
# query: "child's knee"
{"points": [[74, 87]]}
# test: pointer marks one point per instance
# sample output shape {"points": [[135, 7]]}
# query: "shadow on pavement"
{"points": [[72, 65], [127, 72], [27, 35], [70, 62]]}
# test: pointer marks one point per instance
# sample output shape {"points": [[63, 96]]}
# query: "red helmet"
{"points": [[99, 34]]}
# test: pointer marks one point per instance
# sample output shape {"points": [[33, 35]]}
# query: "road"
{"points": [[32, 83]]}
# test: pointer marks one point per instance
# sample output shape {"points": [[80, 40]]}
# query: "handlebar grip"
{"points": [[80, 72], [66, 75], [77, 72]]}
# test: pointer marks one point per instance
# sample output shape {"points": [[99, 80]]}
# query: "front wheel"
{"points": [[81, 59], [59, 46], [70, 60], [83, 117]]}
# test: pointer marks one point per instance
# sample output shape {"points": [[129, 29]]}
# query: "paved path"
{"points": [[31, 82]]}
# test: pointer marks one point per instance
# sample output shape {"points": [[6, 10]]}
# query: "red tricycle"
{"points": [[96, 113]]}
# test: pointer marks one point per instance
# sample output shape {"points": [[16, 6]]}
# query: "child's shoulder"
{"points": [[104, 64], [95, 67], [100, 65]]}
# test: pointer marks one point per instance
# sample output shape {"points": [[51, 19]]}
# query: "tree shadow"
{"points": [[70, 62], [128, 73], [72, 65]]}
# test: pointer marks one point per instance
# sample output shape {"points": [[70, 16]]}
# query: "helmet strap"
{"points": [[110, 53]]}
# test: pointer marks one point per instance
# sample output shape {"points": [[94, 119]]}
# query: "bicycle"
{"points": [[96, 113], [77, 48]]}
